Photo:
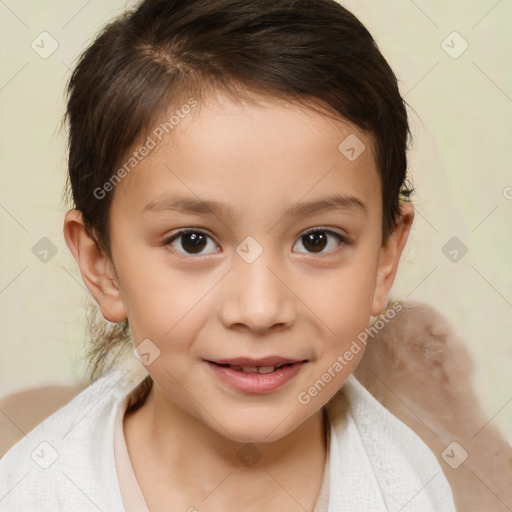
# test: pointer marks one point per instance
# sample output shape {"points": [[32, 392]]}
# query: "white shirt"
{"points": [[67, 463]]}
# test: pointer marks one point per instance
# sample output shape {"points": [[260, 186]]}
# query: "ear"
{"points": [[389, 258], [97, 269]]}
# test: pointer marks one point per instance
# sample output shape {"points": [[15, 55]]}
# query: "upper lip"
{"points": [[264, 361]]}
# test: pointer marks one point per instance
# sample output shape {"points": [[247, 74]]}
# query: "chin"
{"points": [[249, 434], [256, 428]]}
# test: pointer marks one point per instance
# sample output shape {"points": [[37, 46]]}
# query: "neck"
{"points": [[175, 441]]}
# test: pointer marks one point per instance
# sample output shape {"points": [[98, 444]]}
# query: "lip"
{"points": [[256, 383], [263, 361]]}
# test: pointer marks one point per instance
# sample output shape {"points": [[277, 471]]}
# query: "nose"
{"points": [[257, 297]]}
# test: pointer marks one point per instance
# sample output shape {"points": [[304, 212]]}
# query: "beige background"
{"points": [[461, 164]]}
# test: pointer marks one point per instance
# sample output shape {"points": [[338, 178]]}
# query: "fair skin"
{"points": [[291, 301]]}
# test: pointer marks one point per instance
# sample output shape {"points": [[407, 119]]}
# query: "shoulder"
{"points": [[23, 410], [401, 465], [68, 458]]}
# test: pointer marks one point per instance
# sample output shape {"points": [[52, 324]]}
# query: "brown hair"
{"points": [[312, 52]]}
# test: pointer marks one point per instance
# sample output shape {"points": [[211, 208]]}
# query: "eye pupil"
{"points": [[195, 242], [317, 241]]}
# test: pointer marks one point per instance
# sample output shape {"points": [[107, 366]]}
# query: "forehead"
{"points": [[253, 154]]}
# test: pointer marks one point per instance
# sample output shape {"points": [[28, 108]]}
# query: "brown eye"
{"points": [[190, 241], [317, 240]]}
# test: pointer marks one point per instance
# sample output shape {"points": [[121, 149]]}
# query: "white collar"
{"points": [[377, 462]]}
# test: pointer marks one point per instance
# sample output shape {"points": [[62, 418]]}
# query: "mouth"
{"points": [[264, 365], [256, 375]]}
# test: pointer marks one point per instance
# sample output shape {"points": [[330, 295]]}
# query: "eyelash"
{"points": [[343, 241]]}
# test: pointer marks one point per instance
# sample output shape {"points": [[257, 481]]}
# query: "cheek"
{"points": [[162, 311], [343, 299], [156, 297], [345, 311]]}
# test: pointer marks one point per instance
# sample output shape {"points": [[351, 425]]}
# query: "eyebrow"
{"points": [[210, 207]]}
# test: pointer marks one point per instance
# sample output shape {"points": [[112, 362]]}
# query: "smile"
{"points": [[256, 376], [254, 369]]}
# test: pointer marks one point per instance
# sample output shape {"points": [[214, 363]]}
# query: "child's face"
{"points": [[253, 286]]}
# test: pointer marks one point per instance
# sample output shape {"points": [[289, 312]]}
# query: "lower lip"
{"points": [[256, 382]]}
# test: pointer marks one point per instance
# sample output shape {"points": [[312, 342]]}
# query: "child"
{"points": [[238, 170]]}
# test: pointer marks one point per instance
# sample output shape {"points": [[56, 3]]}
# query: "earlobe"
{"points": [[97, 269], [389, 258]]}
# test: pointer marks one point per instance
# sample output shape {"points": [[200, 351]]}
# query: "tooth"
{"points": [[249, 369], [266, 369]]}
